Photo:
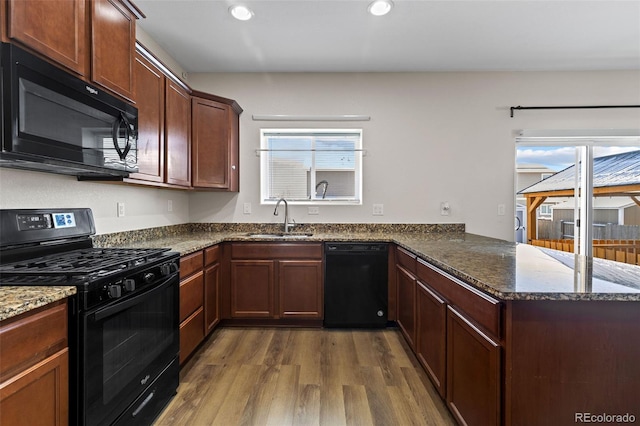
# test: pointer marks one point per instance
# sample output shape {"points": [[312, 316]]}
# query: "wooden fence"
{"points": [[562, 229], [626, 251]]}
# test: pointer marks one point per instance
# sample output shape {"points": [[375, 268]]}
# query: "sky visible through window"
{"points": [[559, 158]]}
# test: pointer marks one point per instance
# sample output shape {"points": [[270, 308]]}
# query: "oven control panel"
{"points": [[28, 222]]}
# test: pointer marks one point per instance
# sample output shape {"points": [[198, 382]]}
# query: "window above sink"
{"points": [[311, 166]]}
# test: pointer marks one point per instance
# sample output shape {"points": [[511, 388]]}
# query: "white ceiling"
{"points": [[417, 35]]}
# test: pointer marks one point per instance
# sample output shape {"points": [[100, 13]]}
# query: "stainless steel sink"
{"points": [[279, 234]]}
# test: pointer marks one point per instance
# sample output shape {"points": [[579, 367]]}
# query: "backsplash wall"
{"points": [[144, 207]]}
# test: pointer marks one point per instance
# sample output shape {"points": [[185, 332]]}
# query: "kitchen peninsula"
{"points": [[541, 349]]}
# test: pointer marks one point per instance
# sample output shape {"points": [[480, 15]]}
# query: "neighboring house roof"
{"points": [[600, 203], [612, 170], [533, 168]]}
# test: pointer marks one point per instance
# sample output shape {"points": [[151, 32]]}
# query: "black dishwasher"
{"points": [[356, 285]]}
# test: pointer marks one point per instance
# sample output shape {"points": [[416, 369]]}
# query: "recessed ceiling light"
{"points": [[380, 7], [241, 13]]}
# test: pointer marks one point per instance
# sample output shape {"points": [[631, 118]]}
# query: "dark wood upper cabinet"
{"points": [[178, 135], [215, 142], [56, 29], [149, 94], [94, 39], [113, 38]]}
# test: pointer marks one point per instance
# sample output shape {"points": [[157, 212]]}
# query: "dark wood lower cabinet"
{"points": [[566, 359], [279, 282], [473, 372], [406, 285], [300, 284], [252, 292], [34, 367], [431, 338]]}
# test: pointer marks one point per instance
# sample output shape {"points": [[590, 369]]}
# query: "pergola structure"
{"points": [[614, 175]]}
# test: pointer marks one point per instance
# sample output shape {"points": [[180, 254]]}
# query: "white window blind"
{"points": [[311, 165]]}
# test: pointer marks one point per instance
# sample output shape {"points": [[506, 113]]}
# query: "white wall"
{"points": [[432, 137], [144, 207]]}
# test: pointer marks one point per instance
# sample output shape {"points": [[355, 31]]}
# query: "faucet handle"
{"points": [[292, 223]]}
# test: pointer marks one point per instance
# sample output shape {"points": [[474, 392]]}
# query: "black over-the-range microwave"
{"points": [[52, 121]]}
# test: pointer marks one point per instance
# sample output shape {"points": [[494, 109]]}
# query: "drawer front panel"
{"points": [[30, 339], [211, 255], [191, 295], [483, 309], [191, 334], [406, 259], [276, 250], [191, 263]]}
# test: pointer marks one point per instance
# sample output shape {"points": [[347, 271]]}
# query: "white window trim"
{"points": [[264, 190]]}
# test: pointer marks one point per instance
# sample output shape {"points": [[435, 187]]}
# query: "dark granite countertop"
{"points": [[506, 270], [15, 300]]}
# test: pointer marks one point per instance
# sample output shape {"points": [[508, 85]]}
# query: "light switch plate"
{"points": [[169, 205], [120, 209], [501, 209]]}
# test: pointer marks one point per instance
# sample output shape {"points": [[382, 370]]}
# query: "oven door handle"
{"points": [[132, 301]]}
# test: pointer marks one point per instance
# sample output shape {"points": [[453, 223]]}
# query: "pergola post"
{"points": [[533, 202]]}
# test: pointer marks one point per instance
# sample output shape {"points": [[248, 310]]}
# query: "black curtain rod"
{"points": [[573, 107]]}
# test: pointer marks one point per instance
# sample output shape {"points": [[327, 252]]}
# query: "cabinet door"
{"points": [[252, 288], [300, 284], [177, 135], [39, 395], [431, 338], [211, 297], [56, 29], [473, 372], [113, 37], [406, 283], [149, 96], [210, 144]]}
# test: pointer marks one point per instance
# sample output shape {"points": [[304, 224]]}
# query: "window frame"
{"points": [[313, 200]]}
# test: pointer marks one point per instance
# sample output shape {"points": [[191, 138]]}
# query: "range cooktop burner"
{"points": [[82, 262]]}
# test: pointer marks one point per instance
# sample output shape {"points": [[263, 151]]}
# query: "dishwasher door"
{"points": [[356, 285]]}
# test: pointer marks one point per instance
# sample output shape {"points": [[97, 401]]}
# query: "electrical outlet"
{"points": [[501, 209], [314, 210], [169, 205], [246, 209], [120, 209], [445, 209], [378, 209]]}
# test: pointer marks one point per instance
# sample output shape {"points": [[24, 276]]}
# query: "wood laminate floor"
{"points": [[292, 376]]}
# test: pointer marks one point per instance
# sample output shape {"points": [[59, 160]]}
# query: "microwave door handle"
{"points": [[122, 119]]}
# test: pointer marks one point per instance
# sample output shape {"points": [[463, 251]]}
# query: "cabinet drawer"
{"points": [[191, 263], [191, 294], [406, 259], [211, 255], [276, 251], [191, 334], [32, 338], [483, 309]]}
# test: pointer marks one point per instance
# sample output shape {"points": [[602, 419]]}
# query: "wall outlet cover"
{"points": [[246, 208], [378, 209]]}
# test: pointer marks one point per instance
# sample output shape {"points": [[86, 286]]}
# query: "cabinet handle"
{"points": [[233, 167]]}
